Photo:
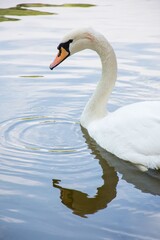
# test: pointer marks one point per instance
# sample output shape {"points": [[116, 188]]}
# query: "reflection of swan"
{"points": [[132, 132], [80, 202], [83, 205]]}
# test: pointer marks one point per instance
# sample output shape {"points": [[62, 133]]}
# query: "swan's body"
{"points": [[132, 132]]}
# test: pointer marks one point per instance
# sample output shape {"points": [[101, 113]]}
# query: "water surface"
{"points": [[56, 182]]}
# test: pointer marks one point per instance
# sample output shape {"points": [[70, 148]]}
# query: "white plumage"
{"points": [[132, 132]]}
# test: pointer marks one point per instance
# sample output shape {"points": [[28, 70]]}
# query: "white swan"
{"points": [[132, 132]]}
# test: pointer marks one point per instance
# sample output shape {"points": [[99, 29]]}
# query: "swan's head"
{"points": [[74, 42]]}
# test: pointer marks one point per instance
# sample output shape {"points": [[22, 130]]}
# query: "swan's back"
{"points": [[131, 133]]}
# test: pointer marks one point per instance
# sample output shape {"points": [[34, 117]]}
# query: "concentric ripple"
{"points": [[41, 134]]}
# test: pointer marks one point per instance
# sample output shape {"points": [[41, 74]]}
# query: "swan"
{"points": [[132, 132]]}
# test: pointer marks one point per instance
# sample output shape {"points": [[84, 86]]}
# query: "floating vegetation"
{"points": [[5, 19], [22, 10], [30, 5], [33, 76], [85, 5], [56, 5], [19, 11]]}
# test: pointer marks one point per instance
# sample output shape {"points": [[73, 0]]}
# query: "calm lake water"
{"points": [[56, 182]]}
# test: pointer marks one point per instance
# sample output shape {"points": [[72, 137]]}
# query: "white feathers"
{"points": [[133, 132]]}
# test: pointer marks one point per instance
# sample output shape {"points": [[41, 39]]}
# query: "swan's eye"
{"points": [[65, 45], [60, 51]]}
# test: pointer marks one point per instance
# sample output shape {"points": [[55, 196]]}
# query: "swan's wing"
{"points": [[131, 133]]}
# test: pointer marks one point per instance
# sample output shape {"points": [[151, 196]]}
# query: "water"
{"points": [[57, 183]]}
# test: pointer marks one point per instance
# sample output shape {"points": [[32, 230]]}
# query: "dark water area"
{"points": [[56, 182]]}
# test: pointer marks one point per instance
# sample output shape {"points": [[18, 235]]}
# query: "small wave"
{"points": [[41, 134]]}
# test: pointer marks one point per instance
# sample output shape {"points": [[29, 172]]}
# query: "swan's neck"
{"points": [[96, 107]]}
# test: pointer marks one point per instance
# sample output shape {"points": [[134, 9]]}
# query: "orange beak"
{"points": [[61, 56]]}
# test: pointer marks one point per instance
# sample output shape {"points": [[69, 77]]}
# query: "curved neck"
{"points": [[96, 107]]}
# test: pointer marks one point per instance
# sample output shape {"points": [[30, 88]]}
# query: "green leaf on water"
{"points": [[32, 76], [17, 11], [30, 5], [78, 5], [22, 10], [56, 5], [6, 19]]}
